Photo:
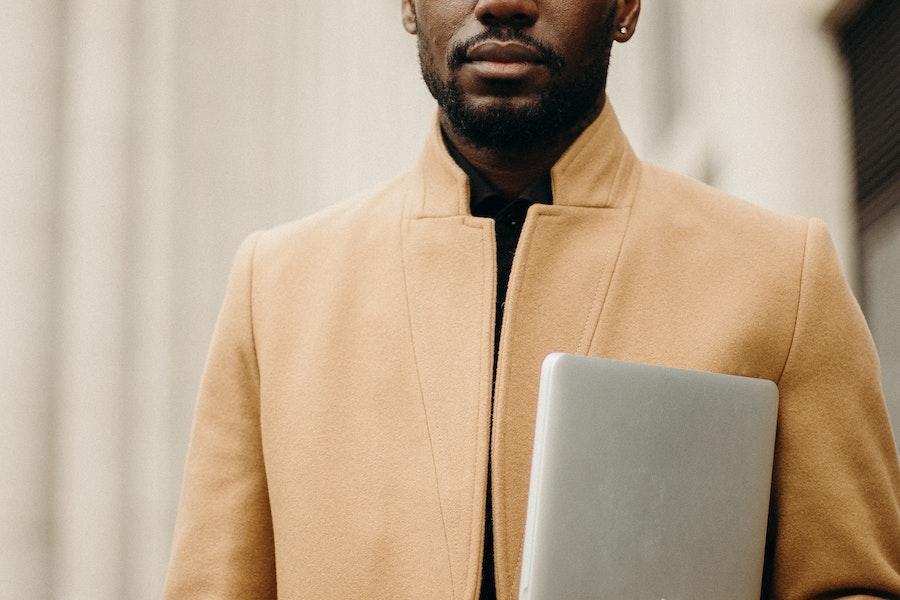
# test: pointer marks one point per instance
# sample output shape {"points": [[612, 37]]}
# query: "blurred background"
{"points": [[141, 141]]}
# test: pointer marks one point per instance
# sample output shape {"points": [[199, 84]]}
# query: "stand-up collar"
{"points": [[598, 170], [485, 199]]}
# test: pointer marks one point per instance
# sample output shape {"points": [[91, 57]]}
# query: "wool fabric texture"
{"points": [[340, 445]]}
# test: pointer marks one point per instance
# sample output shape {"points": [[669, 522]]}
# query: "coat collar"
{"points": [[598, 170], [568, 250]]}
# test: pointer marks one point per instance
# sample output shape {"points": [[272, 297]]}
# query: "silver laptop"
{"points": [[647, 483]]}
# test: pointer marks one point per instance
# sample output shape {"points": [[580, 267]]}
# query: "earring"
{"points": [[623, 30]]}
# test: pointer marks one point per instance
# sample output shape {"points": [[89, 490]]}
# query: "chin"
{"points": [[501, 123], [510, 105], [503, 117]]}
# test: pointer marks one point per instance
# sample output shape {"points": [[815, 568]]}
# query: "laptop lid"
{"points": [[647, 482]]}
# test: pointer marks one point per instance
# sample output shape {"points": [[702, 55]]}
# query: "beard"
{"points": [[567, 102]]}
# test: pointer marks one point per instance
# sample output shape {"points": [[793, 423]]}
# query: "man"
{"points": [[376, 365]]}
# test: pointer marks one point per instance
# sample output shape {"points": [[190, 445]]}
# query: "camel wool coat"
{"points": [[343, 427]]}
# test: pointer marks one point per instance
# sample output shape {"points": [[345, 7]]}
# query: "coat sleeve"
{"points": [[835, 521], [223, 543]]}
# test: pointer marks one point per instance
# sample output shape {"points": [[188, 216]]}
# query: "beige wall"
{"points": [[749, 96], [28, 250], [881, 291], [141, 141]]}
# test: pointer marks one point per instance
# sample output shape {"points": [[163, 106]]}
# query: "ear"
{"points": [[408, 8], [627, 13]]}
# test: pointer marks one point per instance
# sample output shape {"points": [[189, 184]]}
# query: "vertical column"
{"points": [[235, 140], [640, 79], [364, 110], [881, 276], [763, 110], [29, 104], [657, 85], [784, 131], [92, 339], [152, 477]]}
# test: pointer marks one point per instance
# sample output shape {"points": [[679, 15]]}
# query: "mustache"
{"points": [[458, 53]]}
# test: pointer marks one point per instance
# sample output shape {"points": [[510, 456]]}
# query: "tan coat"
{"points": [[341, 441]]}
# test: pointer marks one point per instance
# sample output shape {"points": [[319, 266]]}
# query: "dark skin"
{"points": [[505, 76]]}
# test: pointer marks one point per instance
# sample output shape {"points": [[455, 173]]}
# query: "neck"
{"points": [[512, 171]]}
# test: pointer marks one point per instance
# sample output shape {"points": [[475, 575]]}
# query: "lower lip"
{"points": [[504, 70]]}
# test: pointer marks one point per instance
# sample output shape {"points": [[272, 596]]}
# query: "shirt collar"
{"points": [[485, 200]]}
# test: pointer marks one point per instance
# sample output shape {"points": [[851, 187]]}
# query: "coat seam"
{"points": [[486, 317], [434, 468], [615, 181], [791, 345], [252, 277], [250, 303], [514, 293], [601, 303], [612, 275]]}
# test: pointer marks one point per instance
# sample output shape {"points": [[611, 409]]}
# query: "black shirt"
{"points": [[508, 217]]}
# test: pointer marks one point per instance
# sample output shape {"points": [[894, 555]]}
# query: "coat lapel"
{"points": [[450, 264], [561, 275]]}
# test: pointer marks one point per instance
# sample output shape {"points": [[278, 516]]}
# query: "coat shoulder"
{"points": [[345, 220], [688, 202], [707, 267], [340, 230]]}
